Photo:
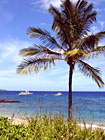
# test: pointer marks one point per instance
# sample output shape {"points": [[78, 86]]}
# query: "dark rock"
{"points": [[3, 90], [8, 101]]}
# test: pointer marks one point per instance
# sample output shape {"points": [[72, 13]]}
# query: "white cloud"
{"points": [[9, 50], [44, 4]]}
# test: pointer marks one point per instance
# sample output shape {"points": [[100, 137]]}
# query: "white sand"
{"points": [[94, 127], [17, 121]]}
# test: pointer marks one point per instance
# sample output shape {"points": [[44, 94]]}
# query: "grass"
{"points": [[48, 128]]}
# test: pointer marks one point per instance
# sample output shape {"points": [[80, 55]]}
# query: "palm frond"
{"points": [[87, 70], [59, 26], [81, 5], [85, 14], [90, 42], [30, 51], [87, 10], [100, 51], [66, 24], [40, 51], [77, 4], [100, 35], [44, 36], [87, 43], [67, 8], [90, 18], [34, 65], [73, 21]]}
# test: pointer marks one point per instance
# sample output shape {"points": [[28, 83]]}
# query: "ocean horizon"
{"points": [[87, 105]]}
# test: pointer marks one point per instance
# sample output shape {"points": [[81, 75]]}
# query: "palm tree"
{"points": [[72, 44]]}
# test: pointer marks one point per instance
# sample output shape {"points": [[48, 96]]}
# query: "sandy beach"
{"points": [[94, 127]]}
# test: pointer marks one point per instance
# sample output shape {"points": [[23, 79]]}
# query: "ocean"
{"points": [[88, 106]]}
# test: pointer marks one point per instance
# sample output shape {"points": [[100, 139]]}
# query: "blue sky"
{"points": [[15, 18]]}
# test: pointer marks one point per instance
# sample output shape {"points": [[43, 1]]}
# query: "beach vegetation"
{"points": [[48, 128], [74, 43]]}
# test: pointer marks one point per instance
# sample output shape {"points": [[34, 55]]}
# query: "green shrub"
{"points": [[48, 128]]}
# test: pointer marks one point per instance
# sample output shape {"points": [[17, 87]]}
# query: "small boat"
{"points": [[25, 93], [58, 94], [46, 94]]}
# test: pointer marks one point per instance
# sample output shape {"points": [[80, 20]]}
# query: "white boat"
{"points": [[25, 93], [58, 94]]}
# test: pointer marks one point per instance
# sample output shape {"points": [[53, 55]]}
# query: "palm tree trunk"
{"points": [[70, 93]]}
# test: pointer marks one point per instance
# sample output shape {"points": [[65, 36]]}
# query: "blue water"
{"points": [[89, 106]]}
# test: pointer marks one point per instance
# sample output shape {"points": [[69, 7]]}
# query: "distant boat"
{"points": [[58, 94], [46, 94], [25, 93]]}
